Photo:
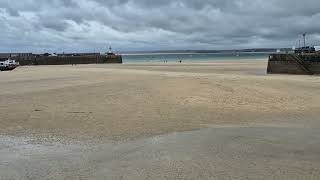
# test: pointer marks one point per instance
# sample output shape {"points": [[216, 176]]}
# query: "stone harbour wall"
{"points": [[61, 60], [287, 64]]}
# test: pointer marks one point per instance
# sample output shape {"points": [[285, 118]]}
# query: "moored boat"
{"points": [[8, 65]]}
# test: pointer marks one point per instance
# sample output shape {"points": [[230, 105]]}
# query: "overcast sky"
{"points": [[92, 25]]}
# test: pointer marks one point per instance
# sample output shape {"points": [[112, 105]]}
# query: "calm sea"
{"points": [[200, 57]]}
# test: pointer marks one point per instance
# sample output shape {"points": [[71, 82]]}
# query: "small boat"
{"points": [[8, 65]]}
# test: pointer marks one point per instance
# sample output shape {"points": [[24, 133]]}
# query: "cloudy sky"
{"points": [[91, 25]]}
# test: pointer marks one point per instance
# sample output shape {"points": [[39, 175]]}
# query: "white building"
{"points": [[317, 48]]}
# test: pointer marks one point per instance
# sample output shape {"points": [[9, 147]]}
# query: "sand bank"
{"points": [[103, 104], [127, 101]]}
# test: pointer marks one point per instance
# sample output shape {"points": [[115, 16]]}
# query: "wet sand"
{"points": [[226, 120], [222, 153]]}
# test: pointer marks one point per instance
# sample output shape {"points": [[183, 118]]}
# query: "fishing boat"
{"points": [[8, 65]]}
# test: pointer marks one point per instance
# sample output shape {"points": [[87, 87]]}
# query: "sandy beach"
{"points": [[225, 119]]}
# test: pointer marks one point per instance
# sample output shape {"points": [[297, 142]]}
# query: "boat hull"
{"points": [[7, 68]]}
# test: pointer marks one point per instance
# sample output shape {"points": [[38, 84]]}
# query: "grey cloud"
{"points": [[12, 11], [55, 25], [81, 25]]}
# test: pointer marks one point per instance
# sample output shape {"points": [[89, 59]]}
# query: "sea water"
{"points": [[191, 57]]}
